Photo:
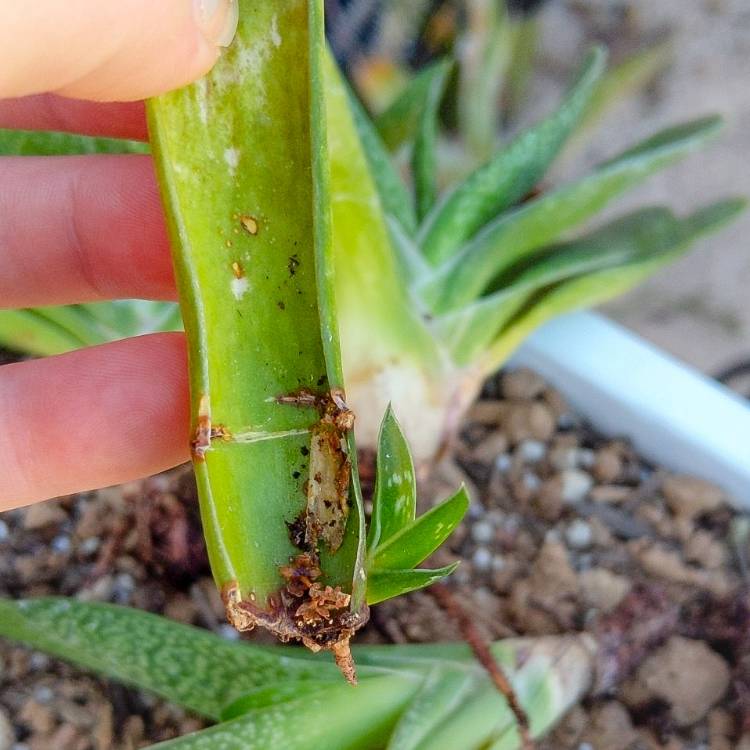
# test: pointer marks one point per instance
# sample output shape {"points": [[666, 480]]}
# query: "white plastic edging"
{"points": [[624, 386]]}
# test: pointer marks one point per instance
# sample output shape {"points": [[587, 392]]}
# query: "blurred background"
{"points": [[699, 63]]}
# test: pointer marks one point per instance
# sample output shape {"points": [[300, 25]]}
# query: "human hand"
{"points": [[88, 228]]}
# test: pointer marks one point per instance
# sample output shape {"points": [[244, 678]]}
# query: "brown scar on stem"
{"points": [[206, 432], [237, 269], [249, 224], [330, 466]]}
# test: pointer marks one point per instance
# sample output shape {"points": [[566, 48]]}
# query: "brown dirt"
{"points": [[567, 532]]}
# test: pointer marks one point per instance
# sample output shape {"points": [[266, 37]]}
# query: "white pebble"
{"points": [[531, 451], [482, 532], [503, 462], [228, 632], [579, 534], [575, 485], [531, 481], [586, 458], [481, 559], [499, 563], [43, 694], [90, 545], [61, 543]]}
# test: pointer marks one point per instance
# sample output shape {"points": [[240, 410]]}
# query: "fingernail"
{"points": [[218, 20]]}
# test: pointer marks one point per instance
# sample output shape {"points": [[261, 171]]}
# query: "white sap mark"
{"points": [[275, 36], [202, 91], [240, 287], [232, 158], [256, 436]]}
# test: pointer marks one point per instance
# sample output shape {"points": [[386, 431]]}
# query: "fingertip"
{"points": [[123, 51]]}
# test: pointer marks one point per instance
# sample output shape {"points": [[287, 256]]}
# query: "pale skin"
{"points": [[88, 228]]}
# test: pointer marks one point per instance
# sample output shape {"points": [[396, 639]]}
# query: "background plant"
{"points": [[409, 697]]}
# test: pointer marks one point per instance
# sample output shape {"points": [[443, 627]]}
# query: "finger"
{"points": [[92, 418], [110, 51], [81, 229], [51, 112]]}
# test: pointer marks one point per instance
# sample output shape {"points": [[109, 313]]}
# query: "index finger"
{"points": [[110, 51]]}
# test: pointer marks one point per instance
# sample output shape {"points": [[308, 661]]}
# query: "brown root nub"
{"points": [[342, 655], [303, 610]]}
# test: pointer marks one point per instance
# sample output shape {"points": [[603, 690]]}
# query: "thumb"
{"points": [[110, 50]]}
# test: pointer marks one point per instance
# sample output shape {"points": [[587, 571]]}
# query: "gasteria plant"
{"points": [[427, 697], [243, 163]]}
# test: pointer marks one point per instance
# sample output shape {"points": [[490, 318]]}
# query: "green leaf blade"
{"points": [[395, 500], [511, 237], [424, 157], [387, 584], [511, 174], [415, 542], [188, 666]]}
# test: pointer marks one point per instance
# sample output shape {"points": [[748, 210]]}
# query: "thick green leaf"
{"points": [[484, 51], [442, 693], [415, 542], [510, 238], [666, 239], [47, 143], [399, 123], [188, 666], [510, 175], [312, 722], [240, 157], [424, 157], [395, 501], [28, 332], [387, 584], [396, 199], [44, 331]]}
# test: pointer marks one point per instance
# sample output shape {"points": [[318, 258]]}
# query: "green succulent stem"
{"points": [[242, 161]]}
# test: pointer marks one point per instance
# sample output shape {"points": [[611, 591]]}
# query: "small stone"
{"points": [[586, 458], [503, 463], [522, 384], [659, 561], [574, 485], [524, 421], [487, 412], [42, 515], [603, 589], [610, 493], [181, 608], [691, 497], [38, 717], [531, 451], [7, 733], [607, 465], [563, 457], [490, 448], [482, 532], [481, 560], [610, 727], [89, 546], [61, 544], [704, 549], [579, 535], [549, 504], [227, 632], [687, 675]]}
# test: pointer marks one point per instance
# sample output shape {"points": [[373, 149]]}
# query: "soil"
{"points": [[567, 532]]}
